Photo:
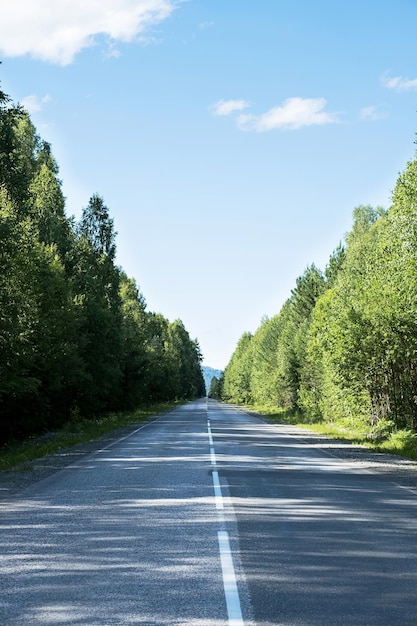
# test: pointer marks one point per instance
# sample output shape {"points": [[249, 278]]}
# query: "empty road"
{"points": [[209, 516]]}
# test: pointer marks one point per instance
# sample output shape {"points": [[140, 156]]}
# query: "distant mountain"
{"points": [[208, 374]]}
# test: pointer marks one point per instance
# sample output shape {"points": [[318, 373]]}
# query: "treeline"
{"points": [[343, 348], [75, 335]]}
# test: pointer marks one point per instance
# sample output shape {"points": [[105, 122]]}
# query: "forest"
{"points": [[76, 338], [343, 348]]}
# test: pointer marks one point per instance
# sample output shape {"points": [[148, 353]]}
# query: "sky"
{"points": [[230, 139]]}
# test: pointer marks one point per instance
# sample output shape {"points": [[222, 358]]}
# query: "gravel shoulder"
{"points": [[26, 474], [395, 468]]}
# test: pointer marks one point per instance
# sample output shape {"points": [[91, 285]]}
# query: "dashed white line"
{"points": [[234, 611], [217, 490]]}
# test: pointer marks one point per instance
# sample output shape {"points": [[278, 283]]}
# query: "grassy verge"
{"points": [[400, 442], [75, 432]]}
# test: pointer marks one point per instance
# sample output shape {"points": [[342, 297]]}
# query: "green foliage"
{"points": [[237, 383], [75, 336], [268, 368], [37, 331], [343, 348], [185, 356], [48, 210], [334, 265], [95, 284], [97, 228], [369, 334], [135, 359], [216, 387]]}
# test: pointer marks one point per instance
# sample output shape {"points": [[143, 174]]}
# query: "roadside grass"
{"points": [[400, 442], [16, 454]]}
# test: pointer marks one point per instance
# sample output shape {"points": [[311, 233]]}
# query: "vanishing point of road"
{"points": [[209, 516]]}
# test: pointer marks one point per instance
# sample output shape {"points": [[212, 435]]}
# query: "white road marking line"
{"points": [[210, 433], [234, 611], [229, 580], [218, 497]]}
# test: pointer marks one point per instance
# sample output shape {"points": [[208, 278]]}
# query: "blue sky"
{"points": [[231, 140]]}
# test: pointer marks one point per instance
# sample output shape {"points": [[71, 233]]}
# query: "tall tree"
{"points": [[237, 374], [47, 210], [134, 385], [96, 283], [74, 330], [37, 332]]}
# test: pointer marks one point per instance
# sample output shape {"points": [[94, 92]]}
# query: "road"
{"points": [[209, 516]]}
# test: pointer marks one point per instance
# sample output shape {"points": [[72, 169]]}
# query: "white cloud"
{"points": [[34, 103], [227, 107], [372, 114], [56, 30], [294, 113], [398, 83]]}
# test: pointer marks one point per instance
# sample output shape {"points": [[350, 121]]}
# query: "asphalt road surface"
{"points": [[209, 516]]}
